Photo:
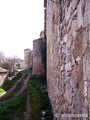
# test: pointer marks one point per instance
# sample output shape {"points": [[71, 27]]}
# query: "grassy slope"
{"points": [[8, 110], [8, 85]]}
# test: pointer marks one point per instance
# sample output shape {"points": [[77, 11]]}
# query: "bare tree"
{"points": [[9, 64]]}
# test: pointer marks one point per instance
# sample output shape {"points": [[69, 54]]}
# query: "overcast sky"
{"points": [[21, 21]]}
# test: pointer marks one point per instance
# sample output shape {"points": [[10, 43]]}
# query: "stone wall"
{"points": [[39, 56], [28, 59], [68, 57]]}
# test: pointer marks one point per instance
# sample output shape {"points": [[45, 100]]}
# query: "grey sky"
{"points": [[20, 22]]}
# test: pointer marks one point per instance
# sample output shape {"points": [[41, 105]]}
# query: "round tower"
{"points": [[27, 58]]}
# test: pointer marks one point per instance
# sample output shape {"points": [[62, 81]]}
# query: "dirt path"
{"points": [[23, 88], [28, 109]]}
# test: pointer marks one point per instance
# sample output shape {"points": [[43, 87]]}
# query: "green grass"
{"points": [[9, 109], [15, 107], [2, 91], [39, 99], [35, 102]]}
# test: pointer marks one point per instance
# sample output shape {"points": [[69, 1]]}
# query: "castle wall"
{"points": [[68, 57]]}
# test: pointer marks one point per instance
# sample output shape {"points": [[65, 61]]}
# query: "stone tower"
{"points": [[27, 59], [39, 56]]}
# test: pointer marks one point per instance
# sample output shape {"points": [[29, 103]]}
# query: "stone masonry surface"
{"points": [[68, 57]]}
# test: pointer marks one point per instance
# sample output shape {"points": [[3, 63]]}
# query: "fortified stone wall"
{"points": [[39, 56], [68, 57], [27, 59]]}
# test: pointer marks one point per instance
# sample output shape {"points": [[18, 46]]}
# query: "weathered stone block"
{"points": [[89, 100], [68, 66], [79, 15], [74, 4]]}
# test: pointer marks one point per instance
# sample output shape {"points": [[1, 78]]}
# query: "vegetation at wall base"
{"points": [[39, 100]]}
